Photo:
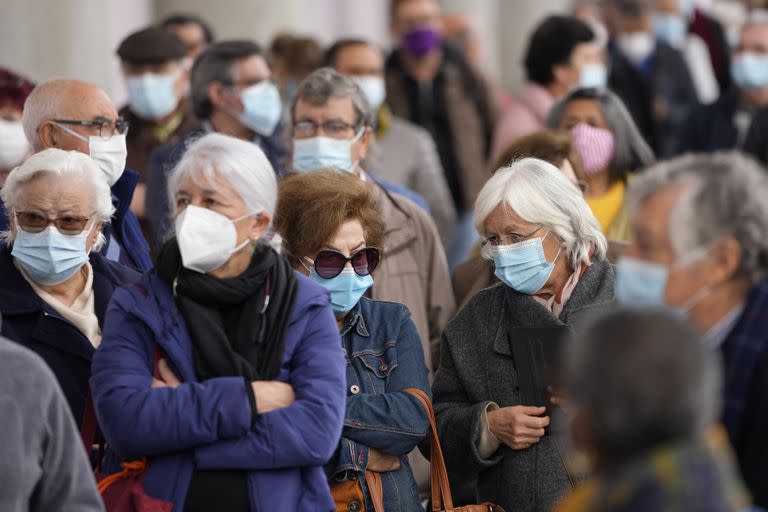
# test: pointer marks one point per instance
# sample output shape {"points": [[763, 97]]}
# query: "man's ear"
{"points": [[48, 134], [725, 259], [218, 94]]}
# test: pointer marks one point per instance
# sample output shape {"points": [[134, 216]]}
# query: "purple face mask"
{"points": [[420, 41]]}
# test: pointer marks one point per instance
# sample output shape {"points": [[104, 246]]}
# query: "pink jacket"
{"points": [[528, 114]]}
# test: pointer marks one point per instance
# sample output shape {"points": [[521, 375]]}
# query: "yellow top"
{"points": [[609, 210]]}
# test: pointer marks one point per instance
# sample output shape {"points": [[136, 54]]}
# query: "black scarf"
{"points": [[232, 332]]}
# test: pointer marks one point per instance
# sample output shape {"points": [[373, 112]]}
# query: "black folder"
{"points": [[537, 352]]}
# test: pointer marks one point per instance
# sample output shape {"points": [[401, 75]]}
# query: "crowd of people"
{"points": [[241, 290]]}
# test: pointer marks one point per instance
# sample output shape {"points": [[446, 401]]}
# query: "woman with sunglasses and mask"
{"points": [[54, 284], [332, 231], [247, 399], [493, 409]]}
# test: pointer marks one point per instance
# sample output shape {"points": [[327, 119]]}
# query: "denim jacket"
{"points": [[384, 356]]}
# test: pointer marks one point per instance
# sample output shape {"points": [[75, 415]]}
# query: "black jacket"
{"points": [[668, 82], [711, 127]]}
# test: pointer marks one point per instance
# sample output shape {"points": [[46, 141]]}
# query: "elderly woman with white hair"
{"points": [[549, 254], [55, 287], [222, 367]]}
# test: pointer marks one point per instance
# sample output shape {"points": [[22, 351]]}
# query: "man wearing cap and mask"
{"points": [[404, 153], [233, 93], [156, 73], [78, 116], [725, 124], [700, 248]]}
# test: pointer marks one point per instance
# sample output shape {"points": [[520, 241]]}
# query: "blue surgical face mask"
{"points": [[643, 284], [640, 283], [346, 289], [151, 95], [374, 90], [261, 107], [523, 266], [49, 257], [750, 71], [324, 153], [593, 76], [670, 28]]}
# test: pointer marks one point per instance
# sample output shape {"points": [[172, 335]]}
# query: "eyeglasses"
{"points": [[36, 222], [107, 127], [329, 264], [335, 128], [509, 238]]}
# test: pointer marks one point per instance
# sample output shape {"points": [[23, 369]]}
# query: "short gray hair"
{"points": [[644, 377], [217, 64], [65, 164], [725, 197], [240, 163], [324, 84], [539, 193], [631, 152]]}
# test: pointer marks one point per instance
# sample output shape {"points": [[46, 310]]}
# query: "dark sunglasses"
{"points": [[329, 264]]}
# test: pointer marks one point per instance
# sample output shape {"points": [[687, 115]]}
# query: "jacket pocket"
{"points": [[380, 362]]}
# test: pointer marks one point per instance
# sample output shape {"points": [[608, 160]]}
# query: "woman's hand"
{"points": [[272, 395], [518, 427], [167, 378], [381, 462]]}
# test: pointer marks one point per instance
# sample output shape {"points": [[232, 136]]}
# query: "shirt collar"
{"points": [[716, 335], [355, 319]]}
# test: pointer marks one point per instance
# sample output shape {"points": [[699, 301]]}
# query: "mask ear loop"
{"points": [[356, 138]]}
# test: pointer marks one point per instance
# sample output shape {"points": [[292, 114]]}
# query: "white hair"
{"points": [[66, 165], [241, 164], [539, 193]]}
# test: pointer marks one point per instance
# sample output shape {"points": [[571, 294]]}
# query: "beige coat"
{"points": [[414, 270]]}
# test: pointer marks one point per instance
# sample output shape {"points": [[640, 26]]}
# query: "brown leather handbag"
{"points": [[349, 496], [442, 500]]}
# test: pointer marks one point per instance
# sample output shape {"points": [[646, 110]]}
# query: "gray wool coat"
{"points": [[477, 367]]}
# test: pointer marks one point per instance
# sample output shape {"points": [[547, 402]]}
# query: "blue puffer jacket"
{"points": [[208, 425], [384, 357]]}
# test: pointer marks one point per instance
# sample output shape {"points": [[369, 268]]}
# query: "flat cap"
{"points": [[151, 45]]}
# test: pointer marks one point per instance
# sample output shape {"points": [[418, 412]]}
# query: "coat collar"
{"points": [[122, 192], [595, 290], [399, 225]]}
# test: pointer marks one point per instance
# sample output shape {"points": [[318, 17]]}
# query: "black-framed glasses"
{"points": [[107, 127], [36, 222], [335, 128], [509, 238], [329, 264]]}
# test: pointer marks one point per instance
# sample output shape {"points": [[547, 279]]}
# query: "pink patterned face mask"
{"points": [[595, 146]]}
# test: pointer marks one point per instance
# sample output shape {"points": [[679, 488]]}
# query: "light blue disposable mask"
{"points": [[49, 257], [523, 266], [640, 283], [151, 95], [750, 71], [374, 90], [593, 76], [670, 28], [643, 284], [346, 289], [324, 153], [261, 107]]}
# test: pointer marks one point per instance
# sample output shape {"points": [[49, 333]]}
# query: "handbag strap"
{"points": [[441, 489], [375, 489]]}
